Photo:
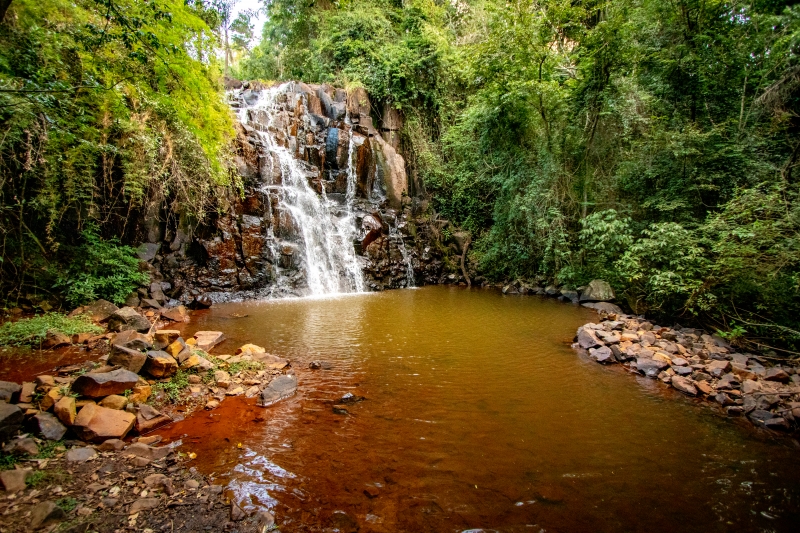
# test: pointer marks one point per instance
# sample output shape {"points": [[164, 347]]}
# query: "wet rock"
{"points": [[317, 365], [98, 385], [9, 391], [202, 302], [587, 338], [14, 480], [279, 388], [597, 291], [212, 404], [21, 446], [127, 318], [777, 423], [64, 409], [684, 385], [47, 425], [46, 513], [176, 314], [96, 424], [160, 364], [602, 354], [650, 367], [80, 455], [206, 340], [100, 310], [55, 339], [114, 401]]}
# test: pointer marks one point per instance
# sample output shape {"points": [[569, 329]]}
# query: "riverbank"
{"points": [[79, 453], [765, 390]]}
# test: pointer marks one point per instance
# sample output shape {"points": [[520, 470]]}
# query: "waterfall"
{"points": [[325, 232], [393, 232]]}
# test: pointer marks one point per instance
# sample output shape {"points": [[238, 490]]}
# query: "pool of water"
{"points": [[478, 415]]}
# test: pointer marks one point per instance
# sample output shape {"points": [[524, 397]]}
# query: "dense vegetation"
{"points": [[652, 144], [649, 143], [110, 110]]}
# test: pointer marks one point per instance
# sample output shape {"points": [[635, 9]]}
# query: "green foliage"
{"points": [[110, 110], [101, 269], [32, 330], [175, 387], [648, 143], [67, 504]]}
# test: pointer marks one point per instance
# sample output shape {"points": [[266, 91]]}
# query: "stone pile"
{"points": [[95, 402], [699, 365]]}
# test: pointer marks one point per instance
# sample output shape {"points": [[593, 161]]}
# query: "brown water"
{"points": [[478, 415]]}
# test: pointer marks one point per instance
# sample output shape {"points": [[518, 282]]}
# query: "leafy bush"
{"points": [[101, 269], [33, 330]]}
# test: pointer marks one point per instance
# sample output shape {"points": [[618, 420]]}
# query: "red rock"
{"points": [[206, 340], [97, 424], [160, 364]]}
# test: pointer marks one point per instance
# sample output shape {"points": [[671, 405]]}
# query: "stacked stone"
{"points": [[700, 365]]}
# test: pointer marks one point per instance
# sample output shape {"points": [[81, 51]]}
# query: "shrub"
{"points": [[101, 269], [33, 330]]}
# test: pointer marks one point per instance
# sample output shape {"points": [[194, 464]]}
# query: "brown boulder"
{"points": [[64, 410], [96, 385], [100, 310], [127, 318], [160, 364], [127, 358], [97, 424]]}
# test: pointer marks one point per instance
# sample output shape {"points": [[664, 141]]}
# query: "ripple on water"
{"points": [[478, 415]]}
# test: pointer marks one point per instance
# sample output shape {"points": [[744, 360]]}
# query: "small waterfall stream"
{"points": [[326, 231]]}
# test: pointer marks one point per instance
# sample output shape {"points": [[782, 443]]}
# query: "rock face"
{"points": [[293, 142], [598, 291], [96, 385]]}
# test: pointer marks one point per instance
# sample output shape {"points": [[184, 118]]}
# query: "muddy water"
{"points": [[478, 415]]}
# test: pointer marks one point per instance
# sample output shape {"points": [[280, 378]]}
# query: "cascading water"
{"points": [[326, 232], [395, 234]]}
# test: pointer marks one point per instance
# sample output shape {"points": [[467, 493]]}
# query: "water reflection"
{"points": [[478, 415]]}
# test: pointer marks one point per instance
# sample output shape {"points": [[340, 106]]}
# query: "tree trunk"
{"points": [[4, 5]]}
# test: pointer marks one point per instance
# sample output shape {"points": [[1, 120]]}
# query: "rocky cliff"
{"points": [[323, 206]]}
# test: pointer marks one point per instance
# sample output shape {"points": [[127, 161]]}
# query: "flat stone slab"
{"points": [[279, 388], [206, 340], [98, 385], [97, 424]]}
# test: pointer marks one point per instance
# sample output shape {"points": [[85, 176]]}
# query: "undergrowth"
{"points": [[32, 331]]}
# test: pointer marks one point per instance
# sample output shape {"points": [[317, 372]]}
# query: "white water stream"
{"points": [[326, 231]]}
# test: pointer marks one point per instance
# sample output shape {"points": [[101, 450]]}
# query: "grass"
{"points": [[67, 504], [32, 331], [174, 387], [47, 450]]}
